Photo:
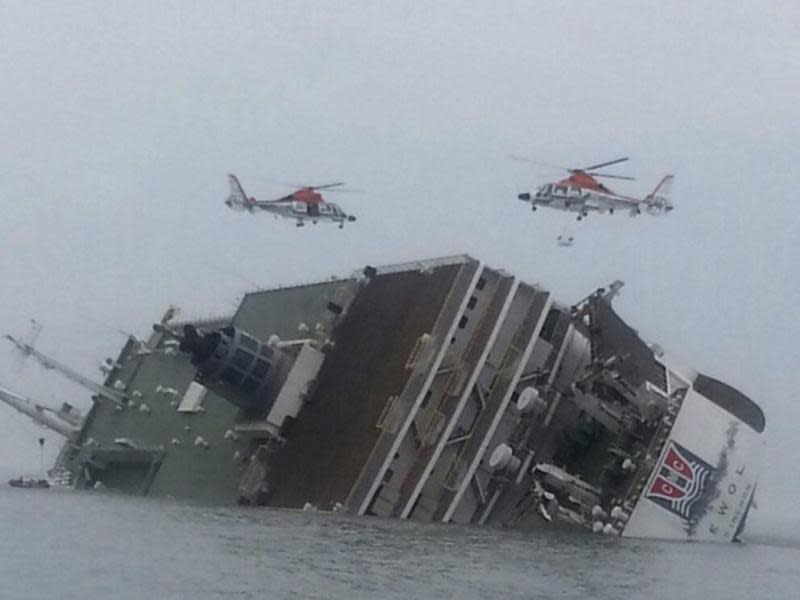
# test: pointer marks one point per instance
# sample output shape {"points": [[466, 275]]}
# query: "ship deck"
{"points": [[336, 430]]}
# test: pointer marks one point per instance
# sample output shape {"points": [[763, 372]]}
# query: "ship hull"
{"points": [[440, 390]]}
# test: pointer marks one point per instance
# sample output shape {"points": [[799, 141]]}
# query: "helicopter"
{"points": [[582, 193], [304, 204]]}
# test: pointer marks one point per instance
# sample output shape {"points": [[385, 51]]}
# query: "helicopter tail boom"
{"points": [[658, 199], [237, 199]]}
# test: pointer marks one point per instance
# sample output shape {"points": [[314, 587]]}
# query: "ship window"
{"points": [[387, 475], [260, 369], [250, 385], [481, 283], [248, 342], [549, 326], [472, 302], [463, 322], [731, 400], [242, 359], [231, 376]]}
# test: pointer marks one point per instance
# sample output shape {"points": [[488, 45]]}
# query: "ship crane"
{"points": [[42, 415], [50, 363]]}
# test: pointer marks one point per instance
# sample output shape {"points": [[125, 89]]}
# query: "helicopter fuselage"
{"points": [[309, 211], [570, 198]]}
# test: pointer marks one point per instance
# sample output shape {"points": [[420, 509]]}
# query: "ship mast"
{"points": [[50, 363]]}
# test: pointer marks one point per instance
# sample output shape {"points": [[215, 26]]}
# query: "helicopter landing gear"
{"points": [[533, 207], [341, 225], [299, 224]]}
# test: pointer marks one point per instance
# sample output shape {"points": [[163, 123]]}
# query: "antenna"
{"points": [[34, 331], [41, 457]]}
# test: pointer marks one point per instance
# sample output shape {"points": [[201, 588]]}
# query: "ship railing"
{"points": [[423, 265], [200, 322]]}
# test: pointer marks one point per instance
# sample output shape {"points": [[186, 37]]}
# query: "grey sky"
{"points": [[119, 123]]}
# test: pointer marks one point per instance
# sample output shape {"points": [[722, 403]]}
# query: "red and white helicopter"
{"points": [[582, 193], [304, 204]]}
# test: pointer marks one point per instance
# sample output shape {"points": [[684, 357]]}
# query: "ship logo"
{"points": [[680, 481]]}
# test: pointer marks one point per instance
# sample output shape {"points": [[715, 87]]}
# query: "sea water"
{"points": [[63, 544]]}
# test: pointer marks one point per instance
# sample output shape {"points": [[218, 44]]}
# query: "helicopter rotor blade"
{"points": [[302, 186], [345, 190], [326, 186], [605, 164], [536, 162], [288, 184], [609, 176]]}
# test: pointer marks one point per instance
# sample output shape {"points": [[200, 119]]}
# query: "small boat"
{"points": [[29, 482]]}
